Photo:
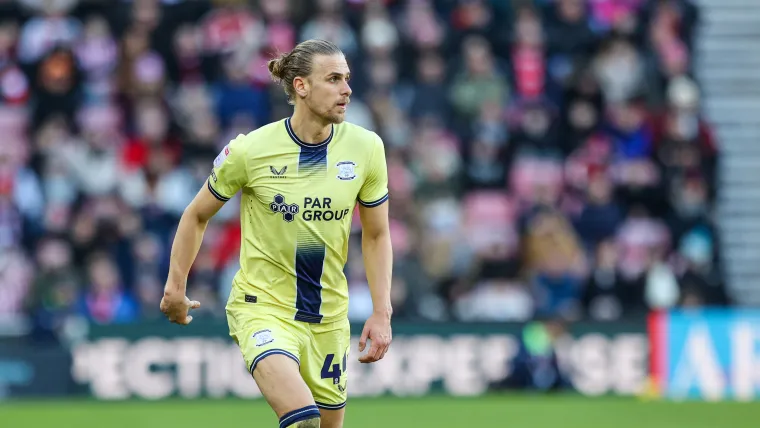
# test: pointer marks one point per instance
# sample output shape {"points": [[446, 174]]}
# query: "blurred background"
{"points": [[572, 181]]}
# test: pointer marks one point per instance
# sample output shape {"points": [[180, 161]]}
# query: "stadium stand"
{"points": [[548, 159]]}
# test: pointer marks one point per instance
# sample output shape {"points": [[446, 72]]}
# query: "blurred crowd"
{"points": [[547, 158]]}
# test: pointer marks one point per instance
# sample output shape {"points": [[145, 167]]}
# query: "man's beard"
{"points": [[335, 119], [328, 116]]}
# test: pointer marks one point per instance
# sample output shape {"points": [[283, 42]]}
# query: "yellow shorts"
{"points": [[321, 350]]}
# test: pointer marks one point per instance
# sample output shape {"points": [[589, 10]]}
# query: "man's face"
{"points": [[328, 91]]}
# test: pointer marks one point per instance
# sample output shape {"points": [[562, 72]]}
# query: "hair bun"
{"points": [[276, 68]]}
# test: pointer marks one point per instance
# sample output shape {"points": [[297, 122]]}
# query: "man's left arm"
{"points": [[377, 253], [378, 264]]}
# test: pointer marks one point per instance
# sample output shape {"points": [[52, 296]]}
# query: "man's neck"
{"points": [[308, 128]]}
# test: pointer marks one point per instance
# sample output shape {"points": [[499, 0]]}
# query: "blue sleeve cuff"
{"points": [[374, 203], [216, 194]]}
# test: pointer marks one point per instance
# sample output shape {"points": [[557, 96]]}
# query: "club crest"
{"points": [[263, 337], [346, 170]]}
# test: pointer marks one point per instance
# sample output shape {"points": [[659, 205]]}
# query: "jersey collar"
{"points": [[298, 141]]}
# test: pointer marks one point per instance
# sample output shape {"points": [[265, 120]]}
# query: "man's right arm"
{"points": [[228, 176], [187, 241]]}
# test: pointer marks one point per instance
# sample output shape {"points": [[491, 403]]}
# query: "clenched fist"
{"points": [[176, 306]]}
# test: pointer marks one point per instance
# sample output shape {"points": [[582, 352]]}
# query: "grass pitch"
{"points": [[508, 411]]}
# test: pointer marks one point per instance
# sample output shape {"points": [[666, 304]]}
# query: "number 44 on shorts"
{"points": [[334, 371]]}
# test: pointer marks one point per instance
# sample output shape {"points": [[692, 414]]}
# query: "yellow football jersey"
{"points": [[296, 209]]}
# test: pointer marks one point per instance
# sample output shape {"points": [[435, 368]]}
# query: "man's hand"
{"points": [[378, 330], [176, 306]]}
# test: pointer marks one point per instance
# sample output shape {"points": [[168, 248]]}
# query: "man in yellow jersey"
{"points": [[300, 179]]}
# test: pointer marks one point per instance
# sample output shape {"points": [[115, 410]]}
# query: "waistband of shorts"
{"points": [[282, 311]]}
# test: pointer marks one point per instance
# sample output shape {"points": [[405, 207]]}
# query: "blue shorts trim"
{"points": [[331, 406], [297, 415], [272, 352]]}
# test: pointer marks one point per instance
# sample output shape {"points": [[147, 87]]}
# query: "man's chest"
{"points": [[311, 190]]}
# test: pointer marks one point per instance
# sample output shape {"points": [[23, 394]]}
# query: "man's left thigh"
{"points": [[324, 365]]}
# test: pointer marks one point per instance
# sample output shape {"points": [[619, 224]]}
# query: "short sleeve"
{"points": [[374, 191], [229, 173]]}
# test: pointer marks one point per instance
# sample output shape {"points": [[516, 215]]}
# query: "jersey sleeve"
{"points": [[374, 191], [229, 173]]}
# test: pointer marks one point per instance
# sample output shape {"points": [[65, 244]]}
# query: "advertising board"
{"points": [[161, 360], [709, 354]]}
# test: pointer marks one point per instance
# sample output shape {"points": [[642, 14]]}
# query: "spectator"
{"points": [[604, 298], [16, 275], [96, 53], [620, 70], [536, 367], [528, 57], [105, 301], [480, 82], [570, 39], [700, 280], [54, 296], [52, 28], [555, 262], [601, 216], [582, 113]]}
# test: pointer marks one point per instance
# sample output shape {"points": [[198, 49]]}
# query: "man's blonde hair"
{"points": [[299, 62]]}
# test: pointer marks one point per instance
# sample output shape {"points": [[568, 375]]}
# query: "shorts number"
{"points": [[333, 371]]}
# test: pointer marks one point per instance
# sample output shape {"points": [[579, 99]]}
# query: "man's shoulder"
{"points": [[266, 133], [356, 131], [268, 130], [358, 134]]}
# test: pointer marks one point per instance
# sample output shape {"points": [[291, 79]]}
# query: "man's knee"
{"points": [[305, 417]]}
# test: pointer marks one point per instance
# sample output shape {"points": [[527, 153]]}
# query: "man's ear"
{"points": [[301, 85]]}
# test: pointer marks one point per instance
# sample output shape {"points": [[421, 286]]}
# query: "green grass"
{"points": [[508, 411]]}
